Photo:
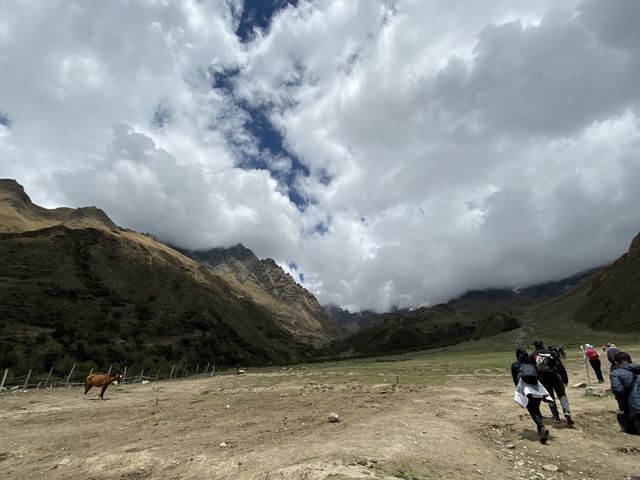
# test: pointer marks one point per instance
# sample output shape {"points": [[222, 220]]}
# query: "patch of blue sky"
{"points": [[272, 154], [5, 120], [258, 14]]}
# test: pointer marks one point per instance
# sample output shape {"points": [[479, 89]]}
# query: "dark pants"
{"points": [[596, 365], [553, 383], [627, 425], [533, 407]]}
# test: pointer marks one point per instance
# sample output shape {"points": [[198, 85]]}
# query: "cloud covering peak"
{"points": [[396, 152]]}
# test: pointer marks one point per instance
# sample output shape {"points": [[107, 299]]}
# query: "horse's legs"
{"points": [[103, 390], [87, 387]]}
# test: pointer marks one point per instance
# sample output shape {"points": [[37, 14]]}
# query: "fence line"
{"points": [[76, 378]]}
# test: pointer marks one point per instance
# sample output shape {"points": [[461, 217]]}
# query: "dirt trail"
{"points": [[469, 428]]}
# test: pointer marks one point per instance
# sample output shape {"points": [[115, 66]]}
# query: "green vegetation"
{"points": [[89, 297]]}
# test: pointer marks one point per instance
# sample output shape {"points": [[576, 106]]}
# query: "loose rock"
{"points": [[334, 418], [550, 467]]}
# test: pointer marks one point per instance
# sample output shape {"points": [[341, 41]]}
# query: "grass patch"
{"points": [[407, 473]]}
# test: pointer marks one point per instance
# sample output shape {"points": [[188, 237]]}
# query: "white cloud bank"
{"points": [[450, 146]]}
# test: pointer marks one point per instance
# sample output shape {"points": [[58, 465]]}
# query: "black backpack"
{"points": [[528, 373], [545, 362]]}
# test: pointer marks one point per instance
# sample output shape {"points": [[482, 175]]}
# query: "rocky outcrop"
{"points": [[267, 284]]}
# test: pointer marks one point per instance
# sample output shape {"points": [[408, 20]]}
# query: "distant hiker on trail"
{"points": [[562, 351], [626, 388], [611, 356], [553, 376], [529, 392], [594, 359]]}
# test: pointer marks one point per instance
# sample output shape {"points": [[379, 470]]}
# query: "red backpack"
{"points": [[592, 354]]}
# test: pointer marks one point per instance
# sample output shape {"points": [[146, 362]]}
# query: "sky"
{"points": [[384, 152]]}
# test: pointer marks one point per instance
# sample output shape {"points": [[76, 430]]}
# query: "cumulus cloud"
{"points": [[397, 152]]}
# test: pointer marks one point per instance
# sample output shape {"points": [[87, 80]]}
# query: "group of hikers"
{"points": [[541, 377]]}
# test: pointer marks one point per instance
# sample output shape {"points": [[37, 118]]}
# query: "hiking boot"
{"points": [[543, 435], [569, 420], [556, 419]]}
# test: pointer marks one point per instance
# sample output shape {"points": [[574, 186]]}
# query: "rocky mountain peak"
{"points": [[11, 190]]}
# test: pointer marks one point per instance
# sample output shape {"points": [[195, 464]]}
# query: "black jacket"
{"points": [[515, 372], [560, 370], [611, 353]]}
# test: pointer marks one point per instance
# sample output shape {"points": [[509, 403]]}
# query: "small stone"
{"points": [[334, 418], [223, 444], [550, 467], [595, 391], [227, 407], [510, 446], [363, 462], [178, 462]]}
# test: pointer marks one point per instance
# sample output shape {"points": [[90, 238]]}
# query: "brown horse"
{"points": [[101, 380]]}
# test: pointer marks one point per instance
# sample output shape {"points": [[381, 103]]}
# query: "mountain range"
{"points": [[75, 287]]}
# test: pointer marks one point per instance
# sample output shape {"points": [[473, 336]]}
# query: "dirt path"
{"points": [[279, 430]]}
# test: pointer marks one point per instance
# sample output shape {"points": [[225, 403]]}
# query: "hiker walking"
{"points": [[529, 392], [611, 356], [626, 388], [594, 359], [553, 376]]}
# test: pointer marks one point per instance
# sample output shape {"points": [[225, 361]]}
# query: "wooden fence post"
{"points": [[26, 382], [197, 368], [141, 372], [172, 369], [213, 369], [158, 375], [110, 367], [48, 377], [4, 377], [206, 370], [124, 375], [70, 373]]}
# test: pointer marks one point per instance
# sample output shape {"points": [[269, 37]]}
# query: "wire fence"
{"points": [[76, 377]]}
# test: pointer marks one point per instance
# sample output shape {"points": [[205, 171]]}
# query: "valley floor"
{"points": [[451, 416]]}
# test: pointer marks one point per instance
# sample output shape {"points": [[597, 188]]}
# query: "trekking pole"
{"points": [[586, 365]]}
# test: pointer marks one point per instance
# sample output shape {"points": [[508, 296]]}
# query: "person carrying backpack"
{"points": [[611, 356], [594, 359], [626, 388], [553, 376], [529, 392]]}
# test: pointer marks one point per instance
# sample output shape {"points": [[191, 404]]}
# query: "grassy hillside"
{"points": [[86, 295], [597, 306], [75, 287]]}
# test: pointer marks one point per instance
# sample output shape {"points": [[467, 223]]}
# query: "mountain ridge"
{"points": [[75, 287]]}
